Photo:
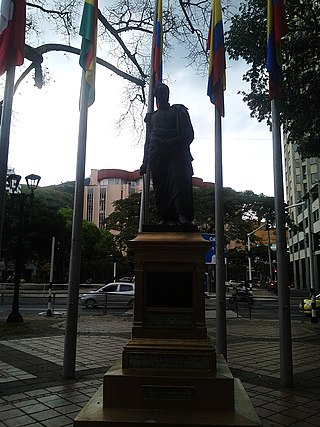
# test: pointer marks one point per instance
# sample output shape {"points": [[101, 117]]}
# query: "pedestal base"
{"points": [[169, 373], [93, 414]]}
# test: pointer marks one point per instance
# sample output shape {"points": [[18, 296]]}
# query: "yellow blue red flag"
{"points": [[12, 33], [217, 60], [88, 53], [158, 46], [277, 28]]}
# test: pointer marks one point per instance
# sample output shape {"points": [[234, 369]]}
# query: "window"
{"points": [[102, 206], [110, 288], [298, 179], [90, 204], [125, 288], [304, 171]]}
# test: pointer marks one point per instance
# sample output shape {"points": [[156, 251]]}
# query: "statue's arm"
{"points": [[143, 167]]}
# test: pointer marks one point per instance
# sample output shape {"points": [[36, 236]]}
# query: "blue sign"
{"points": [[210, 255]]}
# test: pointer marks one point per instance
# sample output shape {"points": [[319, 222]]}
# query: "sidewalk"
{"points": [[33, 393]]}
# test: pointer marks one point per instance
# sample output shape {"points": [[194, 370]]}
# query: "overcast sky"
{"points": [[44, 130]]}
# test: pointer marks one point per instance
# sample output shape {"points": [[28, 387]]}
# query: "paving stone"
{"points": [[61, 421], [11, 413], [24, 420], [37, 407], [69, 408], [45, 415], [282, 419]]}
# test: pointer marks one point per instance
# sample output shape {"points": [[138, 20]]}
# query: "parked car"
{"points": [[115, 294], [305, 305]]}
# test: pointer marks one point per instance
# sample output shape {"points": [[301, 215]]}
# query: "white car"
{"points": [[115, 294]]}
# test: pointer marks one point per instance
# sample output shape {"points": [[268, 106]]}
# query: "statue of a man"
{"points": [[167, 152]]}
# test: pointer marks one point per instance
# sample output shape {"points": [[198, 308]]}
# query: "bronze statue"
{"points": [[167, 153]]}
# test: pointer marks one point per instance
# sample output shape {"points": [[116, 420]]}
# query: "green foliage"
{"points": [[56, 196], [247, 37], [98, 252], [241, 210]]}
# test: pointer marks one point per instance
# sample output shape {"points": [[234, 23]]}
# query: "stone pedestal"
{"points": [[169, 373]]}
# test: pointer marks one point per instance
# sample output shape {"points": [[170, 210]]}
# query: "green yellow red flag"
{"points": [[88, 53]]}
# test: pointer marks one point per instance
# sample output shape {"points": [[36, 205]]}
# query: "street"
{"points": [[263, 308]]}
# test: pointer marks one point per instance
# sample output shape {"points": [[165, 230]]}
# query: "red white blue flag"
{"points": [[12, 33], [277, 28], [158, 46], [217, 60]]}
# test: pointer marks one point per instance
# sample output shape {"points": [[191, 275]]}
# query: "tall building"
{"points": [[302, 188], [107, 185]]}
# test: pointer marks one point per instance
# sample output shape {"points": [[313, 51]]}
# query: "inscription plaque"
{"points": [[177, 320], [169, 361], [168, 392]]}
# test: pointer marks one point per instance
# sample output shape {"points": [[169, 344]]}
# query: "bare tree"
{"points": [[124, 39]]}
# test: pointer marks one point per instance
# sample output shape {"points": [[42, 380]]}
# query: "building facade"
{"points": [[106, 186], [302, 189]]}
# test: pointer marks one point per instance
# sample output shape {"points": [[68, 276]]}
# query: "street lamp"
{"points": [[13, 182]]}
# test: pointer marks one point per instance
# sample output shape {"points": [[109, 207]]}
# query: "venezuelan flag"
{"points": [[12, 33], [88, 52], [277, 28], [217, 60], [158, 46]]}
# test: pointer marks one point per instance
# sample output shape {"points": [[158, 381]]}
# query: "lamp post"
{"points": [[13, 182]]}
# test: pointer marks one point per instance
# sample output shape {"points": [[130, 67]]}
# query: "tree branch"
{"points": [[35, 55]]}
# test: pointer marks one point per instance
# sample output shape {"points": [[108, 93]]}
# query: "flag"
{"points": [[217, 60], [158, 44], [277, 28], [88, 53], [12, 33]]}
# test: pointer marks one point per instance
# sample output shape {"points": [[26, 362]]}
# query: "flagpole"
{"points": [[286, 368], [144, 203], [4, 140], [70, 343], [221, 340]]}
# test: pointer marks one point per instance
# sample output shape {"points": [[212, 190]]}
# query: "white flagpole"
{"points": [[70, 344], [286, 368], [4, 140], [221, 340]]}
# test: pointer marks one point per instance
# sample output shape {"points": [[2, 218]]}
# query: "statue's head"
{"points": [[161, 93]]}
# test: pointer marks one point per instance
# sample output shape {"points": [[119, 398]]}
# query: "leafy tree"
{"points": [[247, 37], [39, 223], [98, 246], [241, 211]]}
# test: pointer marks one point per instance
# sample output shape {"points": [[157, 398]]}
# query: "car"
{"points": [[116, 294], [305, 305]]}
